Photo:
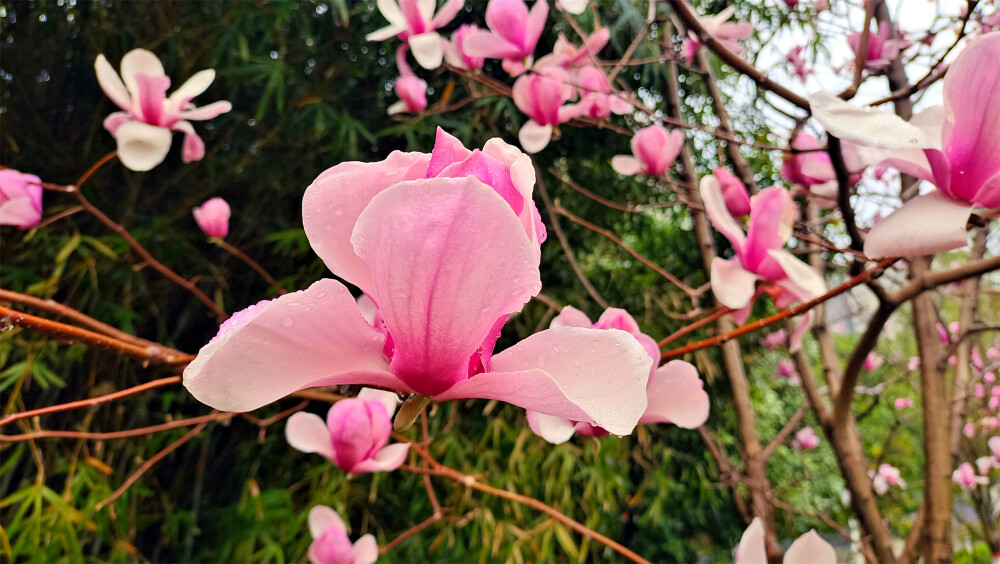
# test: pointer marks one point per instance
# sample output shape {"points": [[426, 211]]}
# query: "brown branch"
{"points": [[861, 56], [90, 436], [91, 401], [414, 530], [630, 208], [233, 250], [790, 312], [868, 341], [785, 432], [711, 318], [931, 280], [152, 353]]}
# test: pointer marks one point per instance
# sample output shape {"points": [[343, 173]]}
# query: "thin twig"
{"points": [[231, 249]]}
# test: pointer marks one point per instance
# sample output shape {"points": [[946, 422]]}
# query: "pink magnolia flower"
{"points": [[943, 333], [355, 434], [966, 478], [717, 26], [989, 377], [953, 327], [969, 430], [655, 148], [980, 390], [331, 545], [597, 100], [903, 403], [993, 352], [809, 547], [144, 129], [786, 369], [794, 58], [950, 146], [213, 217], [675, 392], [994, 402], [759, 255], [805, 439], [977, 359], [541, 98], [775, 339], [913, 363], [567, 55], [513, 35], [813, 170], [415, 22], [994, 445], [20, 199], [446, 246], [872, 361], [411, 89], [881, 49], [454, 50], [734, 192], [891, 475]]}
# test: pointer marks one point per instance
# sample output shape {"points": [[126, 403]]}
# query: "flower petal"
{"points": [[313, 337], [210, 111], [447, 13], [925, 225], [676, 395], [139, 61], [366, 550], [569, 316], [389, 400], [390, 10], [142, 146], [810, 548], [805, 282], [534, 137], [307, 432], [194, 147], [447, 258], [427, 49], [555, 430], [385, 460], [865, 125], [592, 375], [718, 212], [332, 204], [322, 518], [486, 44], [20, 212], [191, 88], [384, 33], [574, 7], [625, 164], [112, 84], [732, 284], [751, 548]]}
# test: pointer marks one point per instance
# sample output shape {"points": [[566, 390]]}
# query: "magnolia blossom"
{"points": [[574, 7], [903, 403], [759, 255], [355, 434], [513, 35], [454, 50], [446, 246], [411, 89], [331, 545], [943, 334], [805, 439], [213, 217], [415, 22], [881, 49], [717, 26], [969, 430], [734, 192], [966, 478], [786, 369], [810, 547], [541, 97], [813, 170], [886, 476], [989, 377], [775, 339], [596, 97], [794, 57], [566, 55], [655, 148], [953, 146], [674, 391], [872, 361], [144, 129], [20, 199]]}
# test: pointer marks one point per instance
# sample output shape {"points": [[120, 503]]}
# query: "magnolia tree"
{"points": [[889, 154]]}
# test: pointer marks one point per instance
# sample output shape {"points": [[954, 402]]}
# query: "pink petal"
{"points": [[307, 432], [810, 547], [732, 284], [925, 225], [751, 548], [112, 84], [152, 96], [447, 13], [194, 147], [676, 395], [139, 61], [555, 430], [321, 518], [486, 44], [313, 337], [592, 375], [20, 212], [389, 400], [804, 281], [385, 460], [718, 213], [973, 138], [365, 550], [210, 111], [626, 164], [447, 151], [447, 258], [508, 19], [115, 120], [569, 316], [535, 25], [771, 216], [427, 49], [332, 204], [989, 193]]}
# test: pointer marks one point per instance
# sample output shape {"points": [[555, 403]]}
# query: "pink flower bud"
{"points": [[966, 478], [20, 199], [969, 430], [412, 92], [943, 334], [805, 439], [903, 403], [772, 340], [213, 217], [873, 361], [331, 545], [735, 193], [455, 53], [989, 377], [654, 149]]}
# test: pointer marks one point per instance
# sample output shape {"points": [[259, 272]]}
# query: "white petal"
{"points": [[112, 84], [865, 125], [142, 146], [534, 137], [427, 50]]}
